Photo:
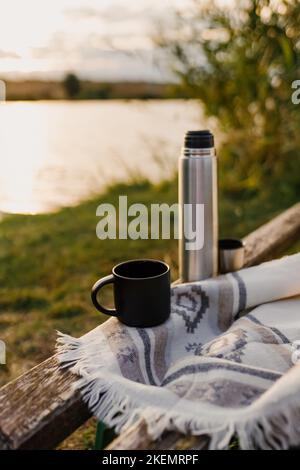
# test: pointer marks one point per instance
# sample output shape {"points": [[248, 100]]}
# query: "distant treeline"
{"points": [[71, 87]]}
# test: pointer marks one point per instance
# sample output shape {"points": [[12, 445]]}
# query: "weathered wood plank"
{"points": [[272, 238], [136, 438], [40, 408]]}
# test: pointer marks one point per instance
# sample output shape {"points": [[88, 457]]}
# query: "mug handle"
{"points": [[95, 289]]}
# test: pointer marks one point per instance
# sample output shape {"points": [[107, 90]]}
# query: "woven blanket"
{"points": [[225, 364]]}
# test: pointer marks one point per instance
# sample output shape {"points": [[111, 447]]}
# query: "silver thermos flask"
{"points": [[198, 202]]}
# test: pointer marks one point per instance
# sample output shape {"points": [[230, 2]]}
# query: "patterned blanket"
{"points": [[225, 364]]}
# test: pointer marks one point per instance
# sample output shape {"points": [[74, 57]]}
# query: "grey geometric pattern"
{"points": [[191, 306], [227, 346]]}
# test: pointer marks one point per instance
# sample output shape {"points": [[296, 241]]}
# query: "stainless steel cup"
{"points": [[231, 255]]}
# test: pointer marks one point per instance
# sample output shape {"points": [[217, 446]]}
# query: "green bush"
{"points": [[241, 63]]}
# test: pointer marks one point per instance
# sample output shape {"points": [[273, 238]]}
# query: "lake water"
{"points": [[54, 154]]}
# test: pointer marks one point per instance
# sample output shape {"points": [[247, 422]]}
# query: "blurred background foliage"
{"points": [[240, 63]]}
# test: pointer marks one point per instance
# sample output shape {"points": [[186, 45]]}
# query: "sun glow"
{"points": [[21, 157], [26, 24], [26, 30], [53, 36]]}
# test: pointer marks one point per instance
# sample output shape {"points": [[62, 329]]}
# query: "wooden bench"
{"points": [[40, 409]]}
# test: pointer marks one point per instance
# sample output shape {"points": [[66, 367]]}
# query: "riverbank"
{"points": [[86, 89]]}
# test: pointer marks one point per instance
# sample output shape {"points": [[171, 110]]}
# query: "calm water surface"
{"points": [[54, 154]]}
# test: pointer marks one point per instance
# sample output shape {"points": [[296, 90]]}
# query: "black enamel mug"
{"points": [[142, 292]]}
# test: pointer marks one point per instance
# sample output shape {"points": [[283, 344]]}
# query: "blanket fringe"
{"points": [[273, 430]]}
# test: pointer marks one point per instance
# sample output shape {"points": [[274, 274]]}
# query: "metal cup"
{"points": [[231, 255]]}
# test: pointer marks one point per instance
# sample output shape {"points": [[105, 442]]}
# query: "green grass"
{"points": [[49, 262]]}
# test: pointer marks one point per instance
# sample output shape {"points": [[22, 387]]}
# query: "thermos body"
{"points": [[198, 185]]}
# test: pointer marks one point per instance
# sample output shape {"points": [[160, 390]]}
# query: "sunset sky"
{"points": [[98, 39]]}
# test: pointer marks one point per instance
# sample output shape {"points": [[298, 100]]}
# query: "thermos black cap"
{"points": [[199, 139]]}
